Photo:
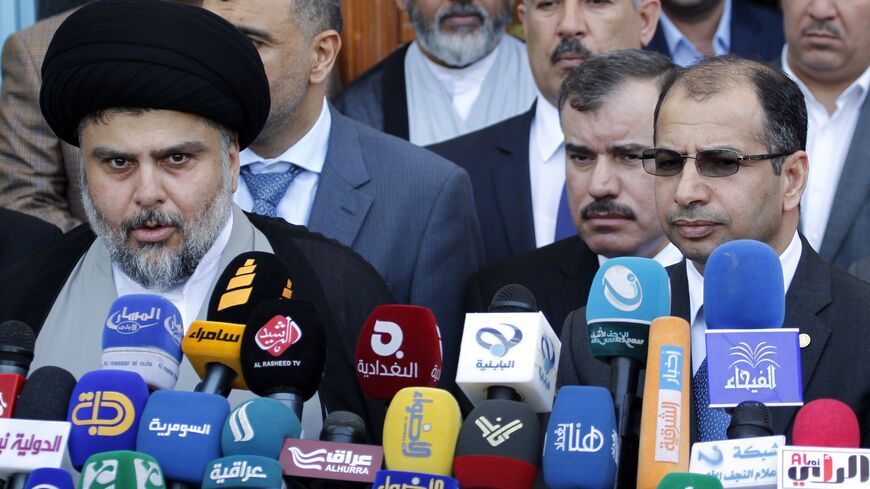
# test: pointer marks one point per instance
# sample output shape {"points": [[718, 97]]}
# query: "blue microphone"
{"points": [[750, 355], [580, 448], [387, 479], [243, 472], [143, 334], [104, 411], [259, 427], [50, 478], [182, 431]]}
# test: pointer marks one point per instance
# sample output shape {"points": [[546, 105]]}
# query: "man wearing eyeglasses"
{"points": [[730, 163]]}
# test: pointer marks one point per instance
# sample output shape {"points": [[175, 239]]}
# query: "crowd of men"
{"points": [[182, 135]]}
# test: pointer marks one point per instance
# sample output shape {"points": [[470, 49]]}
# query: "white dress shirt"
{"points": [[190, 296], [683, 52], [829, 137], [669, 255], [546, 169], [463, 84], [309, 153], [789, 260]]}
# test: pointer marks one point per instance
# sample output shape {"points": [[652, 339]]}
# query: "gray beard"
{"points": [[458, 49]]}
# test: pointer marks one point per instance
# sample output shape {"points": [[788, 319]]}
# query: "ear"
{"points": [[324, 52], [521, 15], [649, 11], [795, 170], [234, 162]]}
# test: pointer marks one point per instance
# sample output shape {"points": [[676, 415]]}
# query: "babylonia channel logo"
{"points": [[493, 340]]}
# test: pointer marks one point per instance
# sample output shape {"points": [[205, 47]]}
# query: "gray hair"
{"points": [[316, 16]]}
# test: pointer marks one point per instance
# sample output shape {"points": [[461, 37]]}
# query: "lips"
{"points": [[695, 229], [569, 60], [152, 234], [462, 20]]}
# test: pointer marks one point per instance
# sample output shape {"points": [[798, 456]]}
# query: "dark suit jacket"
{"points": [[378, 97], [342, 286], [829, 305], [21, 235], [497, 160], [756, 32], [559, 275]]}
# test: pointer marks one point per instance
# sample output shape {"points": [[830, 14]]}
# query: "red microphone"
{"points": [[399, 346], [16, 353], [826, 423]]}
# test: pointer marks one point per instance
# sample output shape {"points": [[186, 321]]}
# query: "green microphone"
{"points": [[685, 480], [121, 468]]}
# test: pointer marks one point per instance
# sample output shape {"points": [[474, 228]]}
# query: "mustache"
{"points": [[152, 216], [607, 206], [570, 45], [821, 25], [697, 213]]}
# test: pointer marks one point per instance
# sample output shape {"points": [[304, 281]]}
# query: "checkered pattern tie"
{"points": [[268, 189], [712, 422]]}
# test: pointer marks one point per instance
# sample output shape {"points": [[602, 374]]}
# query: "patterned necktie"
{"points": [[712, 422], [268, 189], [564, 223]]}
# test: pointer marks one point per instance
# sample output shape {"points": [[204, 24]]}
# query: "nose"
{"points": [[605, 181], [692, 188], [822, 9], [573, 21], [149, 189]]}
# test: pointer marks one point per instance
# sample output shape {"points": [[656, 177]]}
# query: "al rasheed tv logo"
{"points": [[277, 335]]}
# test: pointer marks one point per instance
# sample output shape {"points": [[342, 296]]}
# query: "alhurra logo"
{"points": [[239, 287], [240, 425]]}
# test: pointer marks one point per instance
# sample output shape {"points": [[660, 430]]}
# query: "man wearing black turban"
{"points": [[160, 97]]}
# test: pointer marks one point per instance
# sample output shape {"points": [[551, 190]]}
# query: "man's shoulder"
{"points": [[467, 146], [762, 13], [371, 81]]}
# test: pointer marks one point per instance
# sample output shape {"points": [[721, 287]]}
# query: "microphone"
{"points": [[249, 279], [188, 423], [213, 350], [386, 363], [387, 479], [143, 334], [46, 395], [242, 472], [683, 480], [49, 478], [506, 354], [16, 352], [750, 356], [420, 431], [105, 409], [826, 436], [259, 427], [581, 443], [748, 459], [121, 469], [664, 428], [338, 460], [626, 295], [283, 351]]}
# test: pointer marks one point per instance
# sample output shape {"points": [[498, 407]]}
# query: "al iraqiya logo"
{"points": [[622, 288], [240, 425], [389, 330], [495, 342], [277, 335]]}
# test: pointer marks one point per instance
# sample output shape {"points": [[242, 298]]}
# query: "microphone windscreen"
{"points": [[743, 287], [665, 413], [580, 448], [750, 419], [395, 479], [188, 423], [143, 334], [283, 348], [493, 472], [626, 295], [826, 423], [343, 427], [105, 409], [208, 342], [259, 427], [685, 480], [420, 431], [16, 347], [399, 346], [49, 478], [248, 280], [46, 395], [501, 428], [121, 469], [513, 298], [243, 471]]}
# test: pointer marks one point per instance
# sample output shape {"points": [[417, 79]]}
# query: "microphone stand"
{"points": [[624, 377]]}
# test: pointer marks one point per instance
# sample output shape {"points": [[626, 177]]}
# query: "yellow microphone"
{"points": [[214, 349]]}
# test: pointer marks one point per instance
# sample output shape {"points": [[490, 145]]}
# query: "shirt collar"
{"points": [[721, 38], [669, 255], [789, 260], [854, 95], [547, 129], [308, 153], [458, 80]]}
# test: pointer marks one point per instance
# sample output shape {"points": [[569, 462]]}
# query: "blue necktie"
{"points": [[712, 422], [564, 223], [268, 189]]}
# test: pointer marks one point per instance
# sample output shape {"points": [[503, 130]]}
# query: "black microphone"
{"points": [[513, 298]]}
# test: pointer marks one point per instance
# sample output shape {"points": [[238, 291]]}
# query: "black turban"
{"points": [[157, 55]]}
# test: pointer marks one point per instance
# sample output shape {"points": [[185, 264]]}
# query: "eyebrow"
{"points": [[577, 148], [253, 31], [191, 147], [612, 149]]}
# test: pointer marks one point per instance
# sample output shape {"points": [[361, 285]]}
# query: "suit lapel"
{"points": [[577, 265], [395, 95], [339, 206], [808, 294], [853, 188], [679, 290], [513, 184]]}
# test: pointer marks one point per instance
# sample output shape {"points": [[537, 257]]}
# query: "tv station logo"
{"points": [[105, 413], [277, 335]]}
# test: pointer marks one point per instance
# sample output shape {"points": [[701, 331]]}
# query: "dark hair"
{"points": [[317, 16], [784, 128], [587, 86]]}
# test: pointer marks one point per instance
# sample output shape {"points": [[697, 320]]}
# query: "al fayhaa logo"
{"points": [[622, 288], [394, 332], [492, 339], [277, 335], [754, 360]]}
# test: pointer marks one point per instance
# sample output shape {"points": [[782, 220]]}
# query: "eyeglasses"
{"points": [[710, 163]]}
